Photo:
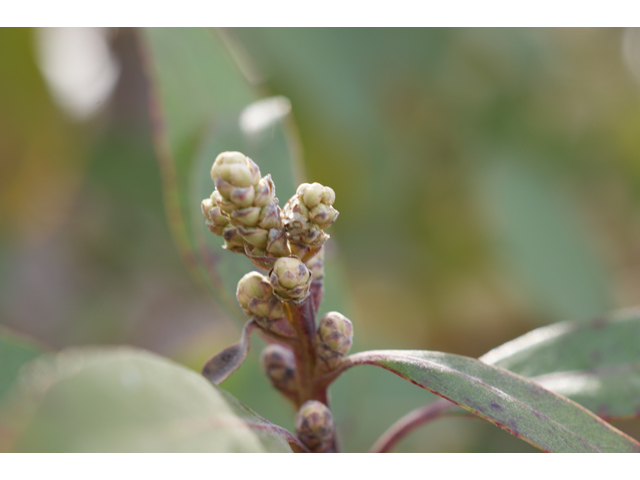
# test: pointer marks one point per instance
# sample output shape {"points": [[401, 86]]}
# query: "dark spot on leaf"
{"points": [[496, 406]]}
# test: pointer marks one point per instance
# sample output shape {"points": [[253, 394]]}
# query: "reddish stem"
{"points": [[317, 291], [410, 422], [303, 320]]}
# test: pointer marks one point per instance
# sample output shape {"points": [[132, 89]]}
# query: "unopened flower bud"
{"points": [[233, 241], [314, 426], [278, 245], [322, 215], [316, 265], [215, 219], [270, 217], [265, 192], [256, 298], [334, 338], [256, 237], [290, 279], [305, 216], [278, 363], [249, 217], [236, 169], [315, 193], [225, 205]]}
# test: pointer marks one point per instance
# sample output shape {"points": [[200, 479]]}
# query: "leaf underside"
{"points": [[525, 409], [224, 363], [127, 400]]}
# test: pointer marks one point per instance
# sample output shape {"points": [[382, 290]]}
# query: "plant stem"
{"points": [[303, 320], [410, 422]]}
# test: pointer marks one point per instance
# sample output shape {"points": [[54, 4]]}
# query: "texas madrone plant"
{"points": [[282, 303], [304, 355]]}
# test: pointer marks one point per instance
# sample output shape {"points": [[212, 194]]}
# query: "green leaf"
{"points": [[596, 364], [15, 351], [127, 400], [202, 105], [544, 419]]}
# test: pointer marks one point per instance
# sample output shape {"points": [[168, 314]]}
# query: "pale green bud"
{"points": [[249, 217], [265, 192], [270, 217], [256, 298], [323, 215], [236, 169], [290, 279], [233, 241], [310, 194], [225, 205], [256, 237], [315, 193], [334, 337], [279, 364], [278, 245], [314, 426]]}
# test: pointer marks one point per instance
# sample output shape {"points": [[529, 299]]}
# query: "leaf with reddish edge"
{"points": [[224, 363], [201, 105], [128, 400], [523, 408], [596, 364]]}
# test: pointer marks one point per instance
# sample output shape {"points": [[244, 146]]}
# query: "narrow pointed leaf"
{"points": [[202, 104], [127, 400], [15, 351], [523, 408], [596, 364], [224, 363]]}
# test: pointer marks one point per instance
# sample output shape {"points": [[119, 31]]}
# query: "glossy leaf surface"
{"points": [[15, 351], [202, 105], [547, 420], [126, 400], [597, 364]]}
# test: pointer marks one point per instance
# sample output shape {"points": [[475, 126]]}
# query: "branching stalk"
{"points": [[410, 422]]}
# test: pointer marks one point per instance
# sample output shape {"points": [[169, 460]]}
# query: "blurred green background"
{"points": [[488, 182]]}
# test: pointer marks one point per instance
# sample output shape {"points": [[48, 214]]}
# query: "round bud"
{"points": [[256, 298], [233, 241], [290, 278], [314, 426], [236, 169], [279, 364], [334, 337], [310, 194], [265, 192]]}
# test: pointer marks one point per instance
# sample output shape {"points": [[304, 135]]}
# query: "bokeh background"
{"points": [[488, 182]]}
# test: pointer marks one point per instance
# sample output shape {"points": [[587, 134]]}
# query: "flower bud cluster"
{"points": [[279, 365], [290, 279], [314, 426], [255, 296], [244, 209], [333, 338], [306, 215]]}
